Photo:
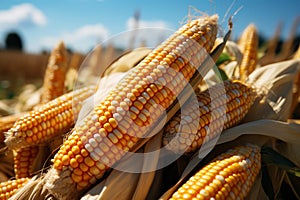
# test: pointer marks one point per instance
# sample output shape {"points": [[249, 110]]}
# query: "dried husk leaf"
{"points": [[127, 61], [234, 51], [118, 185], [150, 165], [276, 83], [93, 66]]}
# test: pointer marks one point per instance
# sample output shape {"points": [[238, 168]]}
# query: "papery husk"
{"points": [[33, 190], [275, 82], [234, 51], [127, 61]]}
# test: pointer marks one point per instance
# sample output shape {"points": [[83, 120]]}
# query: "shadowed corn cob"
{"points": [[201, 121], [229, 176], [131, 108], [23, 159], [8, 188], [54, 80], [249, 48], [51, 119]]}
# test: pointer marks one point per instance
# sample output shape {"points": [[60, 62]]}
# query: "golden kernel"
{"points": [[89, 162], [65, 160], [76, 178], [74, 163]]}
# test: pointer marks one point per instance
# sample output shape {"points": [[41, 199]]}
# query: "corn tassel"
{"points": [[202, 120], [130, 109], [54, 80], [8, 188], [249, 48], [229, 176], [51, 119]]}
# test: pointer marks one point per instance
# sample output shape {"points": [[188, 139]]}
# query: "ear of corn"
{"points": [[199, 124], [249, 48], [54, 80], [51, 119], [228, 176], [136, 103], [23, 159], [53, 87], [8, 188]]}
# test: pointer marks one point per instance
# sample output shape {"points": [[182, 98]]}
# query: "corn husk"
{"points": [[276, 83]]}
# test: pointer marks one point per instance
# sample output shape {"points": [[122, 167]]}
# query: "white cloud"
{"points": [[22, 15], [81, 39], [87, 37]]}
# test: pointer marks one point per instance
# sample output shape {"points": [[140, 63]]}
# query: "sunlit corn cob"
{"points": [[7, 122], [249, 48], [23, 159], [204, 118], [54, 84], [54, 80], [229, 176], [8, 188], [51, 119], [132, 107]]}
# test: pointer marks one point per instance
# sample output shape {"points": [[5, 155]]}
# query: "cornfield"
{"points": [[200, 116]]}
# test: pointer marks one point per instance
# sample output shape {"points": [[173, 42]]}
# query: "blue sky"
{"points": [[84, 23]]}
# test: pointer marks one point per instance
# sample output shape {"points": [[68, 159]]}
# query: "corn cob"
{"points": [[23, 159], [249, 48], [229, 176], [54, 80], [53, 87], [8, 188], [129, 110], [51, 119], [187, 134]]}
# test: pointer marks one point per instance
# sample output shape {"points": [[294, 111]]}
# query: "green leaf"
{"points": [[224, 57]]}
